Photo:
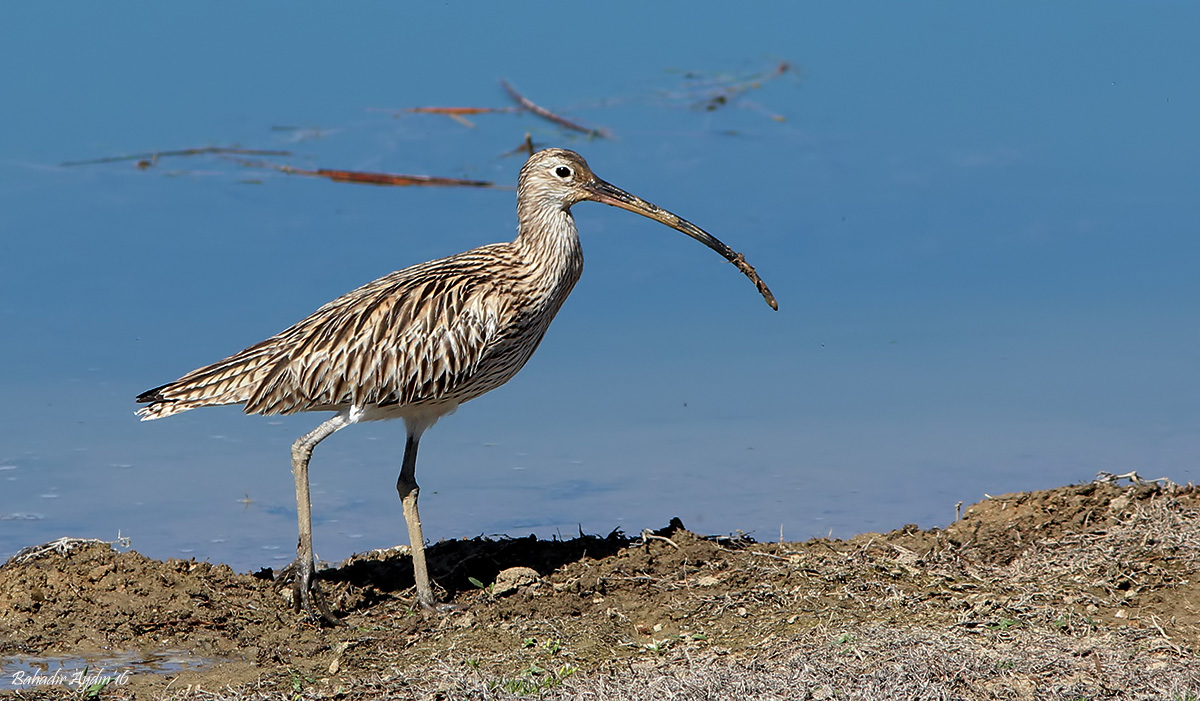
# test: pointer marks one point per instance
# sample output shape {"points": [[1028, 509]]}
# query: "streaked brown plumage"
{"points": [[418, 342]]}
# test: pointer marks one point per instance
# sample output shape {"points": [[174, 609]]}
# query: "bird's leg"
{"points": [[407, 487], [304, 588]]}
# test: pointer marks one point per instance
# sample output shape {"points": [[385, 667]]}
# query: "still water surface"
{"points": [[980, 226]]}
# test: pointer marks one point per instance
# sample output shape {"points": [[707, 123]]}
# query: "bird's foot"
{"points": [[428, 602], [305, 592], [435, 607]]}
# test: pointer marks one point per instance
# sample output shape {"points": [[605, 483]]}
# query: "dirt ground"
{"points": [[1082, 592]]}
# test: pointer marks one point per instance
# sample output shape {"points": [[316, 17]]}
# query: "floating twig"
{"points": [[457, 113], [526, 147], [457, 110], [368, 178], [546, 114], [353, 176], [710, 94], [151, 157]]}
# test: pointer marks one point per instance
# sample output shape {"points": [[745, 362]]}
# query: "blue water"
{"points": [[980, 223]]}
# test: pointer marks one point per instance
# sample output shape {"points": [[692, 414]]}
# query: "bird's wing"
{"points": [[411, 336], [396, 341]]}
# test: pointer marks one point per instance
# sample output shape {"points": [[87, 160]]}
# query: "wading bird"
{"points": [[418, 342]]}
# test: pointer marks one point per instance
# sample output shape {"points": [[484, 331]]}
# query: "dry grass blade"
{"points": [[62, 547]]}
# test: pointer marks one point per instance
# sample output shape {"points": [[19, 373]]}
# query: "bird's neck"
{"points": [[549, 243]]}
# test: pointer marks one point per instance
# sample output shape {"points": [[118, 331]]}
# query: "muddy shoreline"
{"points": [[1084, 591]]}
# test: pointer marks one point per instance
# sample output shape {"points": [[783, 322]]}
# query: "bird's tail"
{"points": [[229, 381]]}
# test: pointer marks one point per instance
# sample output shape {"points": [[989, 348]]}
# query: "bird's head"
{"points": [[555, 179]]}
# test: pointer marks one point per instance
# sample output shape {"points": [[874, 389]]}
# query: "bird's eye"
{"points": [[562, 172]]}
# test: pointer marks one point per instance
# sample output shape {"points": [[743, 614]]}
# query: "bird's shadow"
{"points": [[467, 564]]}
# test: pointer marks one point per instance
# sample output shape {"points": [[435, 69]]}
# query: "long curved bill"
{"points": [[610, 194]]}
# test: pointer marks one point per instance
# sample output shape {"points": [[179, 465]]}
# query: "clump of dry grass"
{"points": [[870, 662]]}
